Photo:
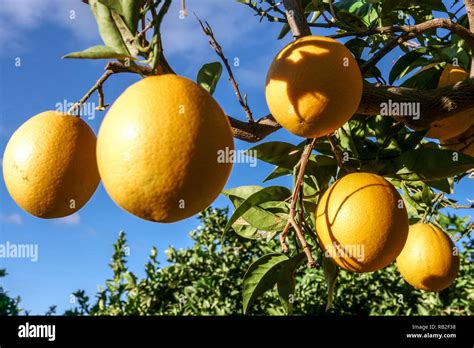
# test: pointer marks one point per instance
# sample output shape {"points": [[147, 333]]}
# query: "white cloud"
{"points": [[14, 219], [71, 220], [18, 18], [231, 22]]}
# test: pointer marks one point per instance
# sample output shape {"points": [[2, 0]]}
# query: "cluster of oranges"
{"points": [[156, 154]]}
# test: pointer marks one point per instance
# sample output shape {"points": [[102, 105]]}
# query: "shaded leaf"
{"points": [[286, 281], [445, 185], [107, 28], [277, 172], [261, 276], [209, 75], [402, 66], [98, 52], [128, 9], [268, 194], [284, 31], [425, 164], [330, 274], [276, 152]]}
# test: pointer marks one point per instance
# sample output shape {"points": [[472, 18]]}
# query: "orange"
{"points": [[361, 222], [164, 149], [458, 123], [463, 142], [429, 260], [49, 165], [313, 86]]}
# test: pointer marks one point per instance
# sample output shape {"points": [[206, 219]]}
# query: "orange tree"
{"points": [[379, 153], [207, 279]]}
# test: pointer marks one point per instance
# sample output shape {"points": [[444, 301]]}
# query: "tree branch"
{"points": [[296, 18], [434, 104], [470, 16], [411, 32], [418, 28]]}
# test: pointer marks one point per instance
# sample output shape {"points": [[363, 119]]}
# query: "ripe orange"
{"points": [[160, 149], [454, 125], [49, 165], [313, 86], [429, 260], [361, 222], [463, 142]]}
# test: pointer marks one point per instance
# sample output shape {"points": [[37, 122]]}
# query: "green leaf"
{"points": [[330, 274], [284, 30], [242, 191], [128, 9], [412, 206], [277, 172], [422, 310], [350, 21], [426, 164], [427, 195], [276, 152], [268, 194], [322, 169], [287, 281], [127, 36], [410, 140], [245, 230], [445, 185], [98, 52], [402, 66], [209, 75], [261, 276], [425, 78], [345, 137], [266, 217], [356, 46], [109, 32], [261, 217]]}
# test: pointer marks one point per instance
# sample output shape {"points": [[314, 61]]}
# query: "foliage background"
{"points": [[206, 279]]}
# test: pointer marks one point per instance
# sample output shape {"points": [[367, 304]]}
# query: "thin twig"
{"points": [[266, 14], [110, 69], [206, 28], [102, 106], [95, 87], [145, 28], [429, 210], [331, 9], [336, 150], [294, 200], [183, 7], [320, 8]]}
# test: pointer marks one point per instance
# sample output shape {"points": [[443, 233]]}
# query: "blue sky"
{"points": [[74, 252]]}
